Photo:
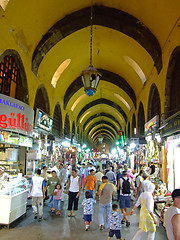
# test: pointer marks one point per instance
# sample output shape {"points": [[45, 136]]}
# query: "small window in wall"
{"points": [[9, 76], [4, 3]]}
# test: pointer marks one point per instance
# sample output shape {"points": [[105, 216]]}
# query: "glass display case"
{"points": [[13, 186], [13, 199]]}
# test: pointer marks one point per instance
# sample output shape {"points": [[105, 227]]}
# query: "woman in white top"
{"points": [[74, 187], [147, 221]]}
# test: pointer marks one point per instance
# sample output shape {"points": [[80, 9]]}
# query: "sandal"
{"points": [[73, 215], [70, 214]]}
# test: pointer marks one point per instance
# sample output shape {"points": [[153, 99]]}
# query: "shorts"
{"points": [[87, 218], [125, 202], [117, 233]]}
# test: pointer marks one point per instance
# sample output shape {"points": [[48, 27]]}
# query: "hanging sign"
{"points": [[43, 121], [15, 116], [173, 125], [151, 124]]}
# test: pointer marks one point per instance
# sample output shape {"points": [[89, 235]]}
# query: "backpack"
{"points": [[126, 186]]}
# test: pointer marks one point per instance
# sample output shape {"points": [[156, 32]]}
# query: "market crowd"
{"points": [[112, 186]]}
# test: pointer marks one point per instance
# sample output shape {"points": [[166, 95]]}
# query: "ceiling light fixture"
{"points": [[100, 138], [90, 76]]}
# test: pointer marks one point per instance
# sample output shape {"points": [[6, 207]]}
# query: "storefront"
{"points": [[171, 135], [43, 140], [16, 128]]}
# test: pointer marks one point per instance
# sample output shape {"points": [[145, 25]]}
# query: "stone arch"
{"points": [[21, 91], [102, 114], [102, 101], [73, 130], [42, 100], [141, 120], [133, 126], [101, 132], [57, 121], [102, 122], [77, 134], [172, 91], [129, 130], [154, 103], [67, 126], [104, 128]]}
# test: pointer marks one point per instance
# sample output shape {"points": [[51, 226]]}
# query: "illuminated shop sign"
{"points": [[173, 125], [15, 116], [15, 139], [151, 124], [43, 121]]}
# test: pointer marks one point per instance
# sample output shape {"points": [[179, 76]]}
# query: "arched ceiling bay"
{"points": [[102, 101], [101, 114], [104, 134], [106, 76], [99, 124], [105, 119], [102, 109], [103, 16], [102, 131], [106, 90], [101, 128]]}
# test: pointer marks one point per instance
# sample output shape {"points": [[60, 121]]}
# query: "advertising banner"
{"points": [[15, 116]]}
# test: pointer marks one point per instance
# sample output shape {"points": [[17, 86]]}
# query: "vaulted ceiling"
{"points": [[129, 38]]}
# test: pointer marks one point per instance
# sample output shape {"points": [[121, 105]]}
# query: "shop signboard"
{"points": [[6, 137], [173, 125], [153, 123], [43, 121], [15, 116]]}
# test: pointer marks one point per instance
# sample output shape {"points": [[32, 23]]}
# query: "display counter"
{"points": [[13, 200]]}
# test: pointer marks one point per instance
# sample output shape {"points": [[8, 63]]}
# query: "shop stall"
{"points": [[13, 199], [154, 146], [171, 135], [16, 127]]}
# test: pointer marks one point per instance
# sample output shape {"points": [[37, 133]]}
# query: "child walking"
{"points": [[87, 204], [115, 222], [57, 199]]}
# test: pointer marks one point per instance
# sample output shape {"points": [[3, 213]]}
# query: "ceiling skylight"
{"points": [[59, 71]]}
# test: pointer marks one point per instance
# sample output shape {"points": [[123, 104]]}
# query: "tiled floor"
{"points": [[61, 227]]}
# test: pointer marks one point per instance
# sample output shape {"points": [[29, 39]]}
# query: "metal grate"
{"points": [[9, 76]]}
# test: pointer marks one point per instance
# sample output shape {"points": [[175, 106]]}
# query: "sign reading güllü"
{"points": [[15, 115]]}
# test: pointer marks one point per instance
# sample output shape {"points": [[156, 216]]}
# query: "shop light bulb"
{"points": [[65, 144], [132, 145]]}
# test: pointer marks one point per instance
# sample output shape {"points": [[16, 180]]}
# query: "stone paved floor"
{"points": [[61, 227]]}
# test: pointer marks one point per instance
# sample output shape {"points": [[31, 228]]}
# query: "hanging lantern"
{"points": [[90, 76], [100, 138]]}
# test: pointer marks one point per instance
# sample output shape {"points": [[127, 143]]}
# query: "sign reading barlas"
{"points": [[15, 115]]}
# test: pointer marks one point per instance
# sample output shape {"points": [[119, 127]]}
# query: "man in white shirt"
{"points": [[172, 217], [37, 190]]}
